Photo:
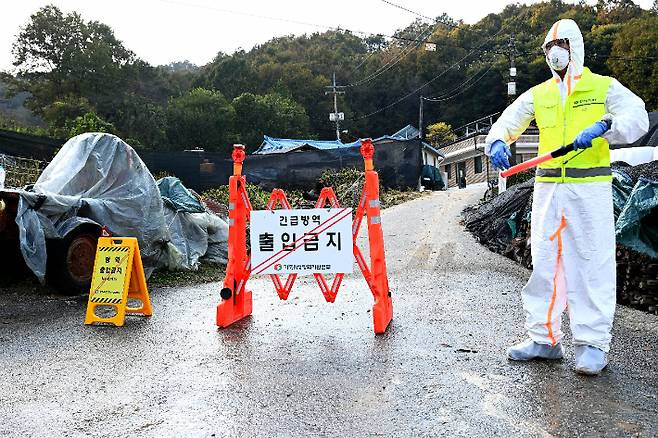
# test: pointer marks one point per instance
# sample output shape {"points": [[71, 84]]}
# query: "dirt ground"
{"points": [[303, 367]]}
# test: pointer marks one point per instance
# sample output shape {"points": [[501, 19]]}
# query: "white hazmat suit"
{"points": [[573, 240]]}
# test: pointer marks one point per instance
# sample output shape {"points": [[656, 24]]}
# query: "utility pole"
{"points": [[511, 89], [420, 119], [335, 116]]}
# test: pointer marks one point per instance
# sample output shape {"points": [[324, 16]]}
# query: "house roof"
{"points": [[407, 133], [273, 145]]}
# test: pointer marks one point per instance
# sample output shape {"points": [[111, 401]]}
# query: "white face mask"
{"points": [[558, 58]]}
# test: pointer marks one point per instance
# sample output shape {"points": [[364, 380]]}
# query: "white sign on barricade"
{"points": [[301, 241]]}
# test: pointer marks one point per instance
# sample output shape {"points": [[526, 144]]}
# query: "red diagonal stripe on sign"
{"points": [[104, 280], [302, 244], [254, 268]]}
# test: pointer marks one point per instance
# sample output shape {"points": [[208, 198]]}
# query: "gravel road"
{"points": [[307, 368]]}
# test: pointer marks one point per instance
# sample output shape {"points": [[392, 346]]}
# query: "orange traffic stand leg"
{"points": [[382, 310], [236, 302]]}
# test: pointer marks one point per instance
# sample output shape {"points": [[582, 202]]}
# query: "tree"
{"points": [[137, 118], [617, 11], [73, 67], [439, 133], [63, 54], [270, 114], [633, 58], [231, 75], [90, 122], [598, 46], [62, 111], [201, 118]]}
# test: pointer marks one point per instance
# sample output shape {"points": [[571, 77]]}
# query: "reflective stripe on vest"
{"points": [[574, 173], [559, 124]]}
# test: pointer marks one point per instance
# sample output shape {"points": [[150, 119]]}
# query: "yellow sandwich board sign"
{"points": [[118, 276]]}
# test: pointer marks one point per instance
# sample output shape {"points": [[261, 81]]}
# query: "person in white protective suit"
{"points": [[573, 237]]}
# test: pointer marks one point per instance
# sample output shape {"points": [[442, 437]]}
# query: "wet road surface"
{"points": [[303, 367]]}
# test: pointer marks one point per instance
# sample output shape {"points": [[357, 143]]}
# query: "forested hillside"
{"points": [[82, 78]]}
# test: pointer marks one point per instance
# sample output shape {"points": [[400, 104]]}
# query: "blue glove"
{"points": [[584, 139], [499, 155]]}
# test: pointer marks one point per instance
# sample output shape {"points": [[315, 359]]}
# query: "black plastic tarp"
{"points": [[398, 163]]}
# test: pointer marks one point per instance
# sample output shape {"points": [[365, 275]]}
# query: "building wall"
{"points": [[431, 158], [466, 143], [471, 176], [465, 152]]}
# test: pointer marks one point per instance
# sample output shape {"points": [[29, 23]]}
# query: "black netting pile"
{"points": [[637, 280], [495, 223], [647, 171]]}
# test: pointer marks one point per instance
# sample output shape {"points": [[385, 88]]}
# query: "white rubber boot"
{"points": [[590, 360], [530, 350]]}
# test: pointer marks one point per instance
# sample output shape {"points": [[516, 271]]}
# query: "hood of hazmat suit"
{"points": [[569, 30]]}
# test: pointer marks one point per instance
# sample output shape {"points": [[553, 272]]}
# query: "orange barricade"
{"points": [[236, 300]]}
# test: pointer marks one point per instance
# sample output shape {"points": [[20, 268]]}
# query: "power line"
{"points": [[463, 86], [388, 65], [430, 81], [624, 58], [446, 96], [287, 20], [409, 10], [371, 54]]}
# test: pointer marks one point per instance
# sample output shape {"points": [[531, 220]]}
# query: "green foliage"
{"points": [[9, 124], [271, 114], [62, 111], [598, 45], [137, 117], [634, 62], [73, 67], [439, 133], [89, 122], [257, 196], [617, 11], [337, 178], [66, 55], [347, 184], [201, 118]]}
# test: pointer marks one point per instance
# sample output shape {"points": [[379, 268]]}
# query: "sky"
{"points": [[163, 31]]}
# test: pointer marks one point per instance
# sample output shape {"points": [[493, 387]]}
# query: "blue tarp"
{"points": [[635, 213], [273, 145], [178, 197]]}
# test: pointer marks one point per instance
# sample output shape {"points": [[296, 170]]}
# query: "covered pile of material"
{"points": [[497, 222], [99, 179], [198, 233], [503, 226]]}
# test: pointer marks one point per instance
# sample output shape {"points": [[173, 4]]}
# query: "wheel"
{"points": [[71, 260]]}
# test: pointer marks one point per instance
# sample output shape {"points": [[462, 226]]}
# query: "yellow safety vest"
{"points": [[560, 124]]}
